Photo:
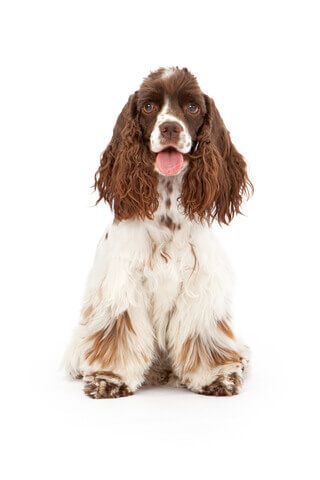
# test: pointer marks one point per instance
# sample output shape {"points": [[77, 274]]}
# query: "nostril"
{"points": [[164, 127], [169, 129]]}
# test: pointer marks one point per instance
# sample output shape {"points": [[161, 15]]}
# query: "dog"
{"points": [[157, 303]]}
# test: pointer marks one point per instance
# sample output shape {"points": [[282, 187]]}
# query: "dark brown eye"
{"points": [[149, 107], [193, 108]]}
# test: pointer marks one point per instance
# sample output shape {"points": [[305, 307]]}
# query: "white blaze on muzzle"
{"points": [[169, 160], [158, 143]]}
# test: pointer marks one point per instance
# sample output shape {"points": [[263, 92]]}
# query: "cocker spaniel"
{"points": [[157, 302]]}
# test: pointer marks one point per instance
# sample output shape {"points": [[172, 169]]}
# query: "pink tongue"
{"points": [[169, 162]]}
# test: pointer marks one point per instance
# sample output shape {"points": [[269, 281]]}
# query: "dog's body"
{"points": [[157, 305]]}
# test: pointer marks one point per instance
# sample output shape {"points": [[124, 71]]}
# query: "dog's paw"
{"points": [[224, 386], [105, 385]]}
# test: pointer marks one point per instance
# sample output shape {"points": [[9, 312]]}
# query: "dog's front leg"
{"points": [[209, 361], [113, 346], [205, 354], [116, 358]]}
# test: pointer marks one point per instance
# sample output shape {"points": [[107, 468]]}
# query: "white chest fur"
{"points": [[168, 276]]}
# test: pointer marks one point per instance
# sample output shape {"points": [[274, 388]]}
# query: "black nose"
{"points": [[170, 130]]}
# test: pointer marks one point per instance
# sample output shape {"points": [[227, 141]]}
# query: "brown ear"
{"points": [[126, 178], [217, 179]]}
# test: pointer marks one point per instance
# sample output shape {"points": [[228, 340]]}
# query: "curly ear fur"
{"points": [[126, 178], [217, 180]]}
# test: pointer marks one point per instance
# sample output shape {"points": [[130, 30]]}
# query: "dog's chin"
{"points": [[170, 161]]}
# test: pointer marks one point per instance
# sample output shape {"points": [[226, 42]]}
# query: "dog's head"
{"points": [[169, 127]]}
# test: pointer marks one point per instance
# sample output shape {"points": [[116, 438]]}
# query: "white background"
{"points": [[67, 68]]}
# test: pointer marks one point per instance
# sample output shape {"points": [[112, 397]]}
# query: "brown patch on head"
{"points": [[109, 346], [168, 203], [196, 352], [225, 328], [180, 88]]}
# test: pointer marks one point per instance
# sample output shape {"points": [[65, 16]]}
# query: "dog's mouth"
{"points": [[169, 161]]}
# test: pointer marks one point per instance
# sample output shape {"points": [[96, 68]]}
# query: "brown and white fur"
{"points": [[157, 302]]}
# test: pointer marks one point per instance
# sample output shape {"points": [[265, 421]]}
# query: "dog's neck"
{"points": [[169, 215]]}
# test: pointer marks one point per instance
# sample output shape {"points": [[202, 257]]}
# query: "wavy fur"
{"points": [[126, 178], [216, 180]]}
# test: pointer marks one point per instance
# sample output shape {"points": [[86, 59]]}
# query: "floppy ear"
{"points": [[217, 179], [126, 178]]}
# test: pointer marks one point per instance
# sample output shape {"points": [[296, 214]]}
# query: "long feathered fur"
{"points": [[214, 184], [126, 178], [157, 303], [216, 180]]}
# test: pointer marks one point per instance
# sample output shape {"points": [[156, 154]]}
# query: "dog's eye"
{"points": [[149, 107], [193, 108]]}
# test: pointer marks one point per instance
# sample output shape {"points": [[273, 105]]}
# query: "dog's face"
{"points": [[171, 110], [169, 126]]}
